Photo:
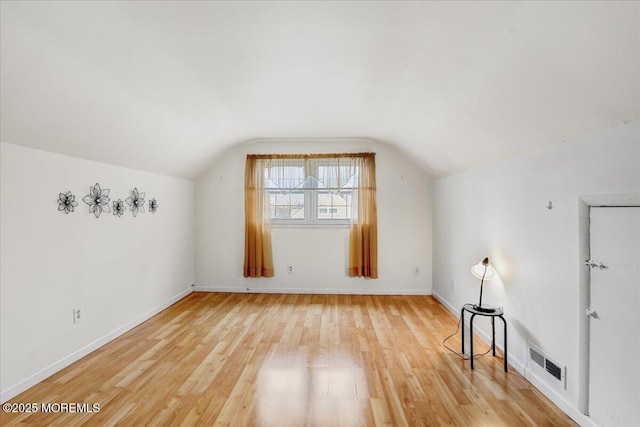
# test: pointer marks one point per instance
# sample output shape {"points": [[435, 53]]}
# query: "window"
{"points": [[316, 191], [311, 189]]}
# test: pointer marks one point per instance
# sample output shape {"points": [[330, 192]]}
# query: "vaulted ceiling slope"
{"points": [[167, 86]]}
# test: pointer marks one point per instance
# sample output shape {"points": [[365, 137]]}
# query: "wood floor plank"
{"points": [[220, 359]]}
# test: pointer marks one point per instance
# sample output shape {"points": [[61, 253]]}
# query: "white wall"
{"points": [[500, 210], [118, 270], [319, 256]]}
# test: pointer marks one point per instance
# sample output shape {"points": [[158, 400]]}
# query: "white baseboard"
{"points": [[560, 402], [27, 383], [339, 291], [551, 394]]}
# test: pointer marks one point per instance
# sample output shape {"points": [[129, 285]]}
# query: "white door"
{"points": [[614, 354]]}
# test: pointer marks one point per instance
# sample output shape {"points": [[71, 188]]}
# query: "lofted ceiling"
{"points": [[167, 86]]}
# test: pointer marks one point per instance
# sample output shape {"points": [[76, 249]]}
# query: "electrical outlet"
{"points": [[77, 315], [416, 270], [290, 269]]}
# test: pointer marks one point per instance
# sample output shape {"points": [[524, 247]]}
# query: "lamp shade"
{"points": [[483, 268]]}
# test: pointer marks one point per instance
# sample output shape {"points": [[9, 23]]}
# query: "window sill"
{"points": [[310, 225]]}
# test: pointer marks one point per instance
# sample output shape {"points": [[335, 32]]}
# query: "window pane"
{"points": [[335, 173], [285, 174], [333, 205], [297, 205], [324, 203], [342, 205], [286, 205], [329, 183]]}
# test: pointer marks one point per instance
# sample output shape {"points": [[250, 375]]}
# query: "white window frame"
{"points": [[311, 219]]}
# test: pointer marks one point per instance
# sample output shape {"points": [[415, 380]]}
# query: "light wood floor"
{"points": [[291, 360]]}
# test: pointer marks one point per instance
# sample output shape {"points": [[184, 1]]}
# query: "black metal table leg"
{"points": [[493, 334], [505, 343], [471, 339], [462, 321]]}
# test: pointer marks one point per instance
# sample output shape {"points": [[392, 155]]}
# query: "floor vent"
{"points": [[550, 367]]}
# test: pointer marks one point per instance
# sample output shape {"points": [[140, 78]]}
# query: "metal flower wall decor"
{"points": [[118, 208], [136, 202], [98, 200], [153, 206], [66, 202]]}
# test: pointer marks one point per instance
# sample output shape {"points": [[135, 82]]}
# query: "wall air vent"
{"points": [[536, 356], [546, 367], [553, 369]]}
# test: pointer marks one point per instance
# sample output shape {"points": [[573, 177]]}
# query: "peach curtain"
{"points": [[258, 259], [363, 234], [363, 238]]}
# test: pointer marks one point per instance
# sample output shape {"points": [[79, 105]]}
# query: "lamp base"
{"points": [[484, 308]]}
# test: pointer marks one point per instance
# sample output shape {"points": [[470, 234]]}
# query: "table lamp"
{"points": [[483, 271]]}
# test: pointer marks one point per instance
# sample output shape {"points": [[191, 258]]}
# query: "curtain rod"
{"points": [[308, 156]]}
